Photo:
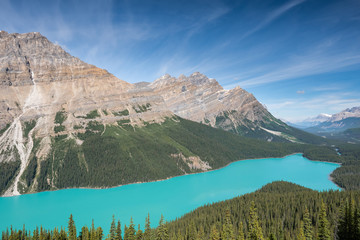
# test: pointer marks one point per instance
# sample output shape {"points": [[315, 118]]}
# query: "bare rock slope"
{"points": [[203, 100]]}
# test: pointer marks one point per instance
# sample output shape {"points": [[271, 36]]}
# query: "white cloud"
{"points": [[304, 66], [273, 16], [296, 110]]}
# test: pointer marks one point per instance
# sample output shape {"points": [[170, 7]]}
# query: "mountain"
{"points": [[310, 122], [65, 123], [349, 118], [203, 100]]}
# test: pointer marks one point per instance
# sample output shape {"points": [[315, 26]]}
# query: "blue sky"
{"points": [[298, 57]]}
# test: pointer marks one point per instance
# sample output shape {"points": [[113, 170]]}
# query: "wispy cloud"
{"points": [[304, 66], [273, 16], [296, 110]]}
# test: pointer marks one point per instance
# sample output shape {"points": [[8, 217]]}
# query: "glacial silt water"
{"points": [[172, 198]]}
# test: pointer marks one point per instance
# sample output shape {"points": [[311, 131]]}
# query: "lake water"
{"points": [[172, 198]]}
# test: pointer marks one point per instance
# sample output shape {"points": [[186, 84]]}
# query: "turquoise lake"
{"points": [[172, 198]]}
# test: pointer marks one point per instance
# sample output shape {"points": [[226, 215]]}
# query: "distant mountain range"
{"points": [[344, 125], [66, 123], [311, 122], [349, 118]]}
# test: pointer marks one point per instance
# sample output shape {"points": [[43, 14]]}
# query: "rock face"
{"points": [[347, 113], [201, 99], [46, 95]]}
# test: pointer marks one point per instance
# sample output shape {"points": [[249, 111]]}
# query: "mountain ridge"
{"points": [[54, 105]]}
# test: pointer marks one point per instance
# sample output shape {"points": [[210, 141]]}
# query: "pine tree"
{"points": [[345, 222], [191, 233], [301, 234], [131, 230], [63, 234], [56, 234], [162, 231], [84, 234], [356, 224], [126, 233], [255, 230], [272, 236], [227, 232], [179, 236], [323, 231], [241, 235], [99, 233], [92, 231], [118, 231], [349, 221], [307, 225], [36, 234], [214, 233], [71, 228], [139, 233], [147, 232], [201, 233], [112, 229]]}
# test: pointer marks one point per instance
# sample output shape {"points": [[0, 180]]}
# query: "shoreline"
{"points": [[164, 179]]}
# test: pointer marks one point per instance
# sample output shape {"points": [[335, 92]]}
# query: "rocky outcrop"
{"points": [[201, 99]]}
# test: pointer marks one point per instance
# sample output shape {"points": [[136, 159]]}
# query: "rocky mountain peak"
{"points": [[347, 113]]}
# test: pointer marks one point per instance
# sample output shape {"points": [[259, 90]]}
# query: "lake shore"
{"points": [[164, 179]]}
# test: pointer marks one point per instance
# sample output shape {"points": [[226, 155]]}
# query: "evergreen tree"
{"points": [[323, 232], [241, 235], [131, 230], [201, 233], [307, 225], [272, 236], [345, 222], [36, 234], [85, 233], [139, 233], [126, 233], [118, 231], [301, 234], [99, 233], [92, 231], [71, 228], [56, 234], [214, 233], [349, 221], [191, 231], [356, 225], [227, 232], [147, 232], [112, 229], [255, 230], [63, 234], [42, 235], [179, 236], [162, 231]]}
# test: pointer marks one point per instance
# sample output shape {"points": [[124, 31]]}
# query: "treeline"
{"points": [[277, 211]]}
